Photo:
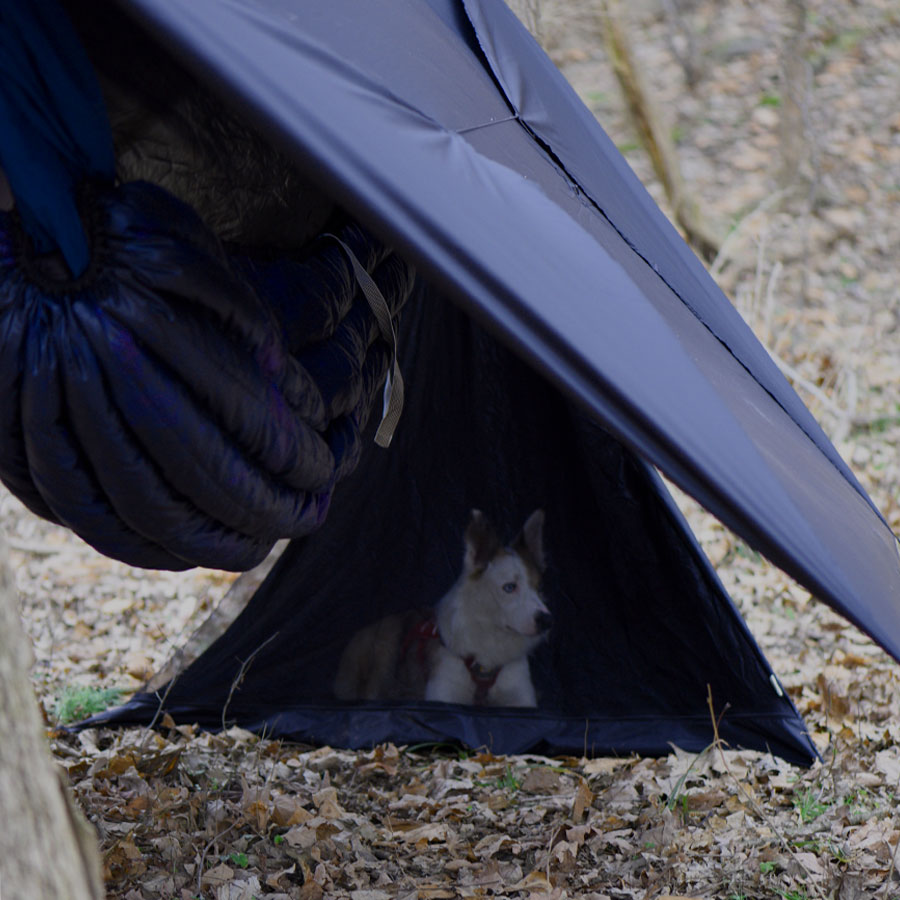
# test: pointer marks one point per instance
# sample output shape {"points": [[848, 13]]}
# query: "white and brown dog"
{"points": [[473, 646]]}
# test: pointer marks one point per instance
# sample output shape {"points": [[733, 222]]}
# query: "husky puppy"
{"points": [[473, 646]]}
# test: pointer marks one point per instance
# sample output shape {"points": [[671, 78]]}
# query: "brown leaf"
{"points": [[123, 860], [837, 704], [217, 876], [159, 764], [603, 765], [301, 836], [491, 844], [136, 806], [701, 801], [257, 815], [584, 797], [327, 804], [311, 890], [278, 880], [138, 665], [533, 881], [110, 766], [542, 780], [425, 833], [289, 811], [384, 758], [888, 762], [579, 834], [852, 887]]}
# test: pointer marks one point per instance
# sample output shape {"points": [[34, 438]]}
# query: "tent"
{"points": [[563, 344]]}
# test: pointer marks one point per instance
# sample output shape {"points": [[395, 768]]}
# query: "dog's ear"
{"points": [[481, 543], [530, 543]]}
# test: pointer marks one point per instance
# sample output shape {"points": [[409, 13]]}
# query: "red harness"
{"points": [[420, 636]]}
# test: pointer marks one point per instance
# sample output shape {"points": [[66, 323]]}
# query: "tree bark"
{"points": [[47, 848], [792, 123]]}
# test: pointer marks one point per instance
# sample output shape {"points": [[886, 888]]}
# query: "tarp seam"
{"points": [[588, 200]]}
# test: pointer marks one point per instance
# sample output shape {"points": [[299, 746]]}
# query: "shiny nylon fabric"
{"points": [[467, 150], [53, 125], [158, 408], [156, 401]]}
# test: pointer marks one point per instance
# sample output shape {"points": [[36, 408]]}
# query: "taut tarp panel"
{"points": [[484, 167]]}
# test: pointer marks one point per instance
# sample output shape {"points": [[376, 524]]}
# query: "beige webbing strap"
{"points": [[392, 400]]}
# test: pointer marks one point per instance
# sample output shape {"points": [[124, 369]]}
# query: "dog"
{"points": [[473, 646]]}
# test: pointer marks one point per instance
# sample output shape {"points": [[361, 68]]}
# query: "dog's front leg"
{"points": [[449, 681], [513, 686]]}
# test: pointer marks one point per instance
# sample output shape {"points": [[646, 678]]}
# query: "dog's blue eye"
{"points": [[510, 587]]}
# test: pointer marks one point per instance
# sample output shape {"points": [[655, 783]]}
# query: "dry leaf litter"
{"points": [[813, 267]]}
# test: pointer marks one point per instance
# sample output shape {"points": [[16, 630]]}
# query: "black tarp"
{"points": [[448, 132]]}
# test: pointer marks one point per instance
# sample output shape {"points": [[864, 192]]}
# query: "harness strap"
{"points": [[420, 635], [484, 678], [423, 632]]}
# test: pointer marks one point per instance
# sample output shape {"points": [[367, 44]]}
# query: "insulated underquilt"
{"points": [[162, 409]]}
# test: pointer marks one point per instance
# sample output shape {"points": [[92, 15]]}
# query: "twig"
{"points": [[811, 388], [893, 867], [34, 549], [206, 850], [159, 709], [794, 113], [768, 314], [553, 835], [720, 745], [676, 790], [242, 672]]}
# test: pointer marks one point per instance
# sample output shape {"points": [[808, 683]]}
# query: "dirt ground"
{"points": [[787, 130]]}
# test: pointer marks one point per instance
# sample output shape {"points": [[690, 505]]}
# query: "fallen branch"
{"points": [[218, 621], [652, 133]]}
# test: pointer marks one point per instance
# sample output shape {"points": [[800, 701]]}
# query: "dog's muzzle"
{"points": [[543, 622]]}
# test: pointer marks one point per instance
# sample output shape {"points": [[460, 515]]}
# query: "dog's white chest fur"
{"points": [[490, 621]]}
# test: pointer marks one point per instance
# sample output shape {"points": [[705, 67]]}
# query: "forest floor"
{"points": [[809, 254]]}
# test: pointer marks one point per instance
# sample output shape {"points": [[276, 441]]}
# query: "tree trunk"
{"points": [[651, 130], [47, 849]]}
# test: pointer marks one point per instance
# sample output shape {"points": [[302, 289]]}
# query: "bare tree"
{"points": [[795, 73], [47, 848], [682, 41]]}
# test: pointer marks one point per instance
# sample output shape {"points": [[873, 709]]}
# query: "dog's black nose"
{"points": [[543, 621]]}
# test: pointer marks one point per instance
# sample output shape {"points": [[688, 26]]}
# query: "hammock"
{"points": [[174, 400]]}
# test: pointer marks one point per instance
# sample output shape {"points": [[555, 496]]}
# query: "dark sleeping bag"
{"points": [[175, 398]]}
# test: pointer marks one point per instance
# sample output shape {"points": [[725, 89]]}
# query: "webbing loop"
{"points": [[392, 401]]}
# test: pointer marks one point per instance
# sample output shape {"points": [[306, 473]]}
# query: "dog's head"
{"points": [[510, 577]]}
